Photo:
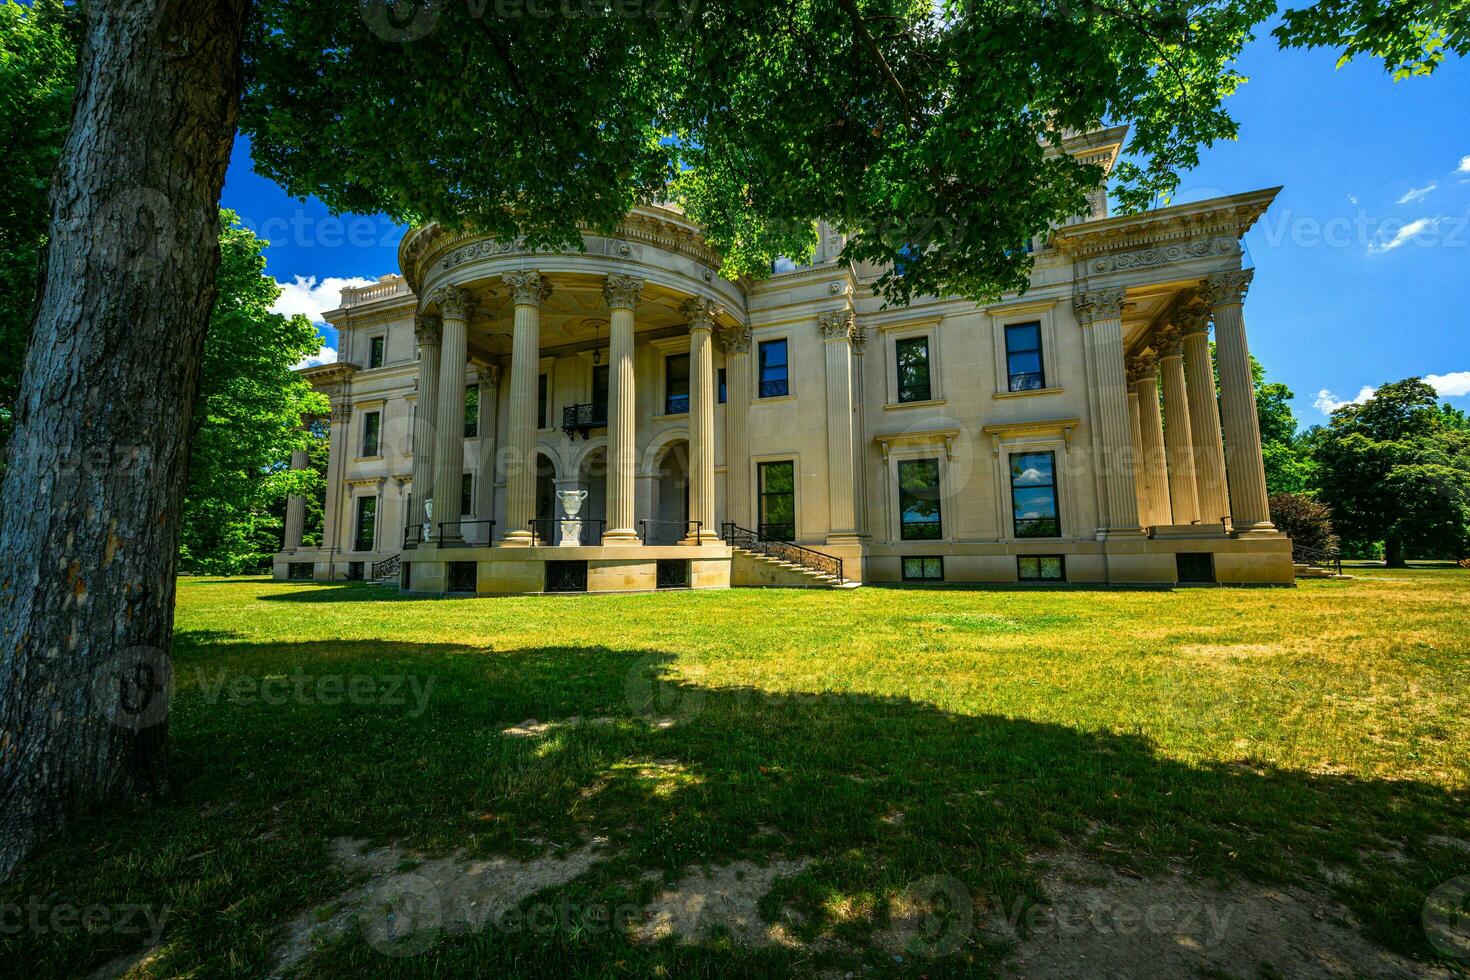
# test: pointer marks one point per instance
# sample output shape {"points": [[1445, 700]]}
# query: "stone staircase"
{"points": [[384, 573], [758, 561]]}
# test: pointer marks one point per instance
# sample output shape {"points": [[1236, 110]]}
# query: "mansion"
{"points": [[625, 418]]}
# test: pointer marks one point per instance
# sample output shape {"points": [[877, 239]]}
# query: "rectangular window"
{"points": [[471, 411], [923, 569], [599, 393], [912, 356], [676, 384], [775, 376], [720, 385], [1041, 568], [366, 526], [1023, 357], [1034, 495], [375, 351], [918, 500], [372, 427], [778, 499], [541, 401], [467, 495], [1195, 566]]}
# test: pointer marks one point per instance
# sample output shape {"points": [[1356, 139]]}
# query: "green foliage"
{"points": [[1304, 520], [37, 66], [1410, 38], [248, 417]]}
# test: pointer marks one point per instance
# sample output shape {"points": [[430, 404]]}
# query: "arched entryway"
{"points": [[671, 495], [592, 477]]}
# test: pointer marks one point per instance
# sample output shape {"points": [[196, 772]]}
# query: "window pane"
{"points": [[720, 381], [778, 499], [1023, 357], [471, 411], [371, 425], [676, 384], [912, 356], [1051, 566], [541, 403], [367, 515], [1034, 495], [1028, 567], [375, 352], [774, 380], [918, 500], [466, 494], [923, 569], [1023, 336]]}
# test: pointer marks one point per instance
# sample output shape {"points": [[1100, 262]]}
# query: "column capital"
{"points": [[736, 339], [859, 338], [1227, 288], [528, 288], [621, 292], [1193, 319], [838, 324], [1099, 304], [1169, 341], [341, 411], [701, 313], [453, 302], [1144, 367], [488, 375], [428, 329]]}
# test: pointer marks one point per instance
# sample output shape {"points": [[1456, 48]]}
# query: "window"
{"points": [[676, 384], [720, 385], [1041, 568], [366, 525], [782, 264], [467, 495], [923, 569], [541, 401], [775, 377], [471, 411], [1195, 566], [778, 499], [1023, 357], [372, 426], [918, 500], [375, 351], [912, 357], [599, 393], [1034, 495]]}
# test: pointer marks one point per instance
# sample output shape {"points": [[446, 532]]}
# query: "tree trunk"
{"points": [[97, 462], [1393, 554]]}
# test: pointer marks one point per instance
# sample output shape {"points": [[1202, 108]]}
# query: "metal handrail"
{"points": [[413, 535], [1317, 557], [489, 528], [553, 524], [385, 568], [686, 525], [739, 537]]}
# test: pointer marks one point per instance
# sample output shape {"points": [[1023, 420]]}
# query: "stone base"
{"points": [[519, 571]]}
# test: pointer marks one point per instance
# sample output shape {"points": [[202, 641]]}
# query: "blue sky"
{"points": [[1362, 265]]}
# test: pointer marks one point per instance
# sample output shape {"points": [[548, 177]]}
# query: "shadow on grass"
{"points": [[272, 765]]}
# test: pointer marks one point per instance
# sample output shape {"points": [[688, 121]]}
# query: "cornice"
{"points": [[1180, 232]]}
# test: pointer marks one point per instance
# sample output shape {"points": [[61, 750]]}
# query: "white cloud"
{"points": [[307, 295], [1418, 192], [1451, 385], [1407, 233], [327, 355], [1464, 167], [1327, 403], [1353, 200]]}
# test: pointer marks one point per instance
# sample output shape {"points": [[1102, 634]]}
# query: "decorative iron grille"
{"points": [[740, 537]]}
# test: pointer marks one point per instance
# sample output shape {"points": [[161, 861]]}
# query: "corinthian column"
{"points": [[1243, 462], [1153, 481], [454, 313], [621, 293], [736, 342], [528, 291], [1204, 418], [428, 331], [1101, 315], [296, 507], [1178, 442], [701, 314], [837, 330]]}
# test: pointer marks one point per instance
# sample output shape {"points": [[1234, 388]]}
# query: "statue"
{"points": [[571, 528], [428, 529]]}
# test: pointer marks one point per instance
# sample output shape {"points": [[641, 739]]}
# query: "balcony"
{"points": [[582, 419]]}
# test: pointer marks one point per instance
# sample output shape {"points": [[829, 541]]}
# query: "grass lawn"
{"points": [[1310, 739]]}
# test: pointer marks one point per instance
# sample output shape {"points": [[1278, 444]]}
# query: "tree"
{"points": [[1285, 453], [1304, 520], [1391, 470], [935, 137], [248, 416]]}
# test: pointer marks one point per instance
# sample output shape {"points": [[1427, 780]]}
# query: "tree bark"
{"points": [[1393, 554], [96, 473]]}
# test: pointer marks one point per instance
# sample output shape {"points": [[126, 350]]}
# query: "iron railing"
{"points": [[775, 389], [1328, 558], [387, 568], [647, 528], [488, 525], [748, 540], [413, 535], [1027, 381], [583, 418], [546, 531]]}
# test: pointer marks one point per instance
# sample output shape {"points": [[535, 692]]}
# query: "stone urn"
{"points": [[571, 527], [427, 533]]}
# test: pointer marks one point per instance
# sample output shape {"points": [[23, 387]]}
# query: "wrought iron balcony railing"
{"points": [[582, 419]]}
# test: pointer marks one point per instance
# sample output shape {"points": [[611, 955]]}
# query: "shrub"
{"points": [[1306, 522]]}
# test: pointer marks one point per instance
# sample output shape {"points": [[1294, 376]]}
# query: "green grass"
{"points": [[1267, 734]]}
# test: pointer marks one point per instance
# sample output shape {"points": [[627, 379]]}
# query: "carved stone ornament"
{"points": [[453, 302], [736, 339], [1193, 319], [529, 288], [489, 375], [428, 329], [621, 292], [859, 338], [1143, 368], [1100, 304], [1162, 255], [341, 412], [1169, 341], [838, 325], [1227, 288], [701, 313]]}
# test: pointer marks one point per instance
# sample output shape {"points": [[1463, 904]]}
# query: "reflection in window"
{"points": [[676, 384], [774, 371], [372, 427], [912, 356], [1034, 495], [367, 520], [1023, 357], [918, 500], [778, 499]]}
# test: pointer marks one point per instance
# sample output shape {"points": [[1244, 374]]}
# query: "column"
{"points": [[1101, 314], [837, 329], [859, 342], [428, 331], [1244, 466], [1204, 418], [736, 341], [621, 293], [489, 377], [701, 314], [1178, 442], [454, 312], [528, 291], [296, 507], [1153, 481]]}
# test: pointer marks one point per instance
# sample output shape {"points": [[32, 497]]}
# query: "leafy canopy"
{"points": [[931, 132]]}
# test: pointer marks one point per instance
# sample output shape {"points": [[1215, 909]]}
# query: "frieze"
{"points": [[1163, 255]]}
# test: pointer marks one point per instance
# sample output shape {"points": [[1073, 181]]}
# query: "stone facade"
{"points": [[1070, 433]]}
